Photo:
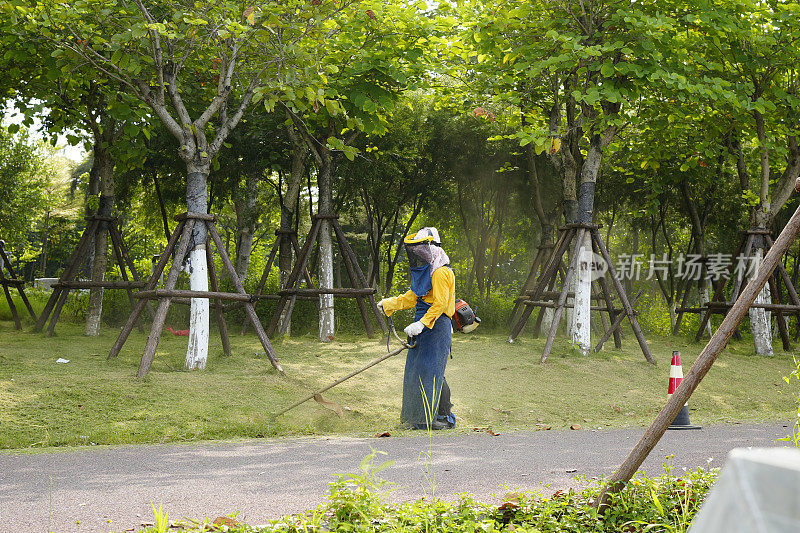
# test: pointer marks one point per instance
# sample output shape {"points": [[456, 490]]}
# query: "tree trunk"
{"points": [[197, 268], [289, 213], [46, 241], [703, 287], [581, 319], [246, 218], [325, 186], [92, 192], [548, 238], [105, 172], [569, 190], [760, 319]]}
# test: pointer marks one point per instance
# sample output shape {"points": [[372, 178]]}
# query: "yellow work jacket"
{"points": [[442, 298]]}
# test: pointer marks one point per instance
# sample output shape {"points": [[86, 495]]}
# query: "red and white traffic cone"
{"points": [[675, 377]]}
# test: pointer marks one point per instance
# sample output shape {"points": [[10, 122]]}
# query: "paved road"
{"points": [[268, 478]]}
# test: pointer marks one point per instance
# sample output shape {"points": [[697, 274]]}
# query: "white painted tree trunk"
{"points": [[324, 182], [547, 318], [197, 351], [704, 299], [581, 326], [196, 202], [95, 312], [104, 167], [760, 319], [569, 314], [326, 317]]}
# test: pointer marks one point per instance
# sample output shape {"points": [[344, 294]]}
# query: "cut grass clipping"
{"points": [[494, 384]]}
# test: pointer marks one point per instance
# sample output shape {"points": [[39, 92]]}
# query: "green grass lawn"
{"points": [[494, 384]]}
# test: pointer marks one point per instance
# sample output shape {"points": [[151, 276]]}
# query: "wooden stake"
{"points": [[702, 365], [163, 304], [151, 284], [11, 306], [72, 265], [552, 267], [719, 295], [624, 297], [344, 246], [248, 307], [122, 270], [617, 322], [91, 230], [537, 329], [12, 279], [223, 326], [354, 282], [263, 281], [787, 281], [563, 298], [532, 275], [293, 280]]}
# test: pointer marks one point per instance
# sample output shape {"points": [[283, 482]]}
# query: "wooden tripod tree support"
{"points": [[543, 253], [67, 281], [182, 236], [751, 240], [359, 290], [539, 297], [684, 306], [280, 235], [703, 363], [11, 280]]}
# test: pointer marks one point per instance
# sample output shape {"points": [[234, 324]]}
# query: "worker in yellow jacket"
{"points": [[426, 395]]}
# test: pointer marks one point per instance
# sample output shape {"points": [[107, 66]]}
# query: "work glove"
{"points": [[380, 305], [414, 329]]}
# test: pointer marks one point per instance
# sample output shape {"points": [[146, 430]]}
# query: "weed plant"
{"points": [[667, 503]]}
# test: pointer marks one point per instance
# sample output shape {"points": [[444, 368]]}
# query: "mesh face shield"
{"points": [[419, 254]]}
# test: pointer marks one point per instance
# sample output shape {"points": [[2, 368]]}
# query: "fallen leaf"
{"points": [[384, 434], [225, 521], [94, 354], [575, 426], [508, 506]]}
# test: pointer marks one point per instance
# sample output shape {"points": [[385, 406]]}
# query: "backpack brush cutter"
{"points": [[464, 321]]}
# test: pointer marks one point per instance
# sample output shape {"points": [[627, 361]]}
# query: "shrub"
{"points": [[663, 504]]}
